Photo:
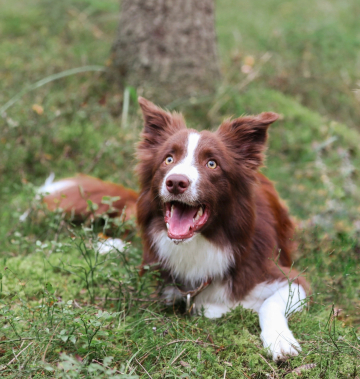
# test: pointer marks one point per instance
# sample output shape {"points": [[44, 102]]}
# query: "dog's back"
{"points": [[283, 224]]}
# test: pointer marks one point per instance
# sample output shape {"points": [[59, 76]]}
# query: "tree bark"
{"points": [[166, 48]]}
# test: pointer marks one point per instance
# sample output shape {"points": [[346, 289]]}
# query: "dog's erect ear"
{"points": [[247, 136], [159, 124], [156, 119]]}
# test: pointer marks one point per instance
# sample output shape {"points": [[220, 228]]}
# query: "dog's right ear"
{"points": [[156, 119], [159, 124]]}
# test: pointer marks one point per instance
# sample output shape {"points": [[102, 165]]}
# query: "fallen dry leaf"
{"points": [[38, 109], [249, 60], [299, 369]]}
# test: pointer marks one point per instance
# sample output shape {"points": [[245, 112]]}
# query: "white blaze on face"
{"points": [[186, 167]]}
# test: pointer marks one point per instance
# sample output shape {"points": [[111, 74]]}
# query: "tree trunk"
{"points": [[166, 48]]}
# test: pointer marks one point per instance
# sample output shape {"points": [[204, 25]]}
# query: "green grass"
{"points": [[65, 310]]}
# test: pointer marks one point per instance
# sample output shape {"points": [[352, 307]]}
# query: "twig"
{"points": [[244, 373], [177, 357], [47, 346], [77, 305], [19, 339], [196, 341], [354, 347], [15, 358], [143, 368], [225, 374], [22, 343], [272, 368]]}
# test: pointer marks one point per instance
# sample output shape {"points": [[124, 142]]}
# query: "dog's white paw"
{"points": [[281, 345]]}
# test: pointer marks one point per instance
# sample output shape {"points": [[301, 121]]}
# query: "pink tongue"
{"points": [[181, 220]]}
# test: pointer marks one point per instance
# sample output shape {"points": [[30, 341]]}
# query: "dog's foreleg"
{"points": [[275, 333]]}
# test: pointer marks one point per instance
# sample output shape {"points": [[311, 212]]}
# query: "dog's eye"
{"points": [[211, 164], [169, 160]]}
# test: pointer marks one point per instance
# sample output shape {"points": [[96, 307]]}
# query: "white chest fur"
{"points": [[192, 260]]}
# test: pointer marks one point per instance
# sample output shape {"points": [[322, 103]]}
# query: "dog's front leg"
{"points": [[275, 333]]}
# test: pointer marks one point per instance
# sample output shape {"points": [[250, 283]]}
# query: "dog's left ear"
{"points": [[248, 135]]}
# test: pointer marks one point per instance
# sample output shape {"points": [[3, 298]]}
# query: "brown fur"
{"points": [[246, 212], [73, 200]]}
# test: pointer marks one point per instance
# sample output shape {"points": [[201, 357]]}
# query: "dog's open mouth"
{"points": [[183, 220]]}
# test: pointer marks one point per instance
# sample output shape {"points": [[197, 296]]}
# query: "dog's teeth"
{"points": [[172, 210], [199, 213], [167, 225]]}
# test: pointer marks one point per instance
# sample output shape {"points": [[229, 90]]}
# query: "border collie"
{"points": [[215, 224], [209, 219]]}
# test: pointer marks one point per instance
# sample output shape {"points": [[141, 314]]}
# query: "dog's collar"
{"points": [[190, 295], [193, 293]]}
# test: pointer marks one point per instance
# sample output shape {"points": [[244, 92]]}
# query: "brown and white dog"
{"points": [[208, 216], [214, 224]]}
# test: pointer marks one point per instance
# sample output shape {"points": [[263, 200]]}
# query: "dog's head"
{"points": [[199, 179]]}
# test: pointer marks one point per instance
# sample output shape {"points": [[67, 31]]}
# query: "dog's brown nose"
{"points": [[177, 184]]}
